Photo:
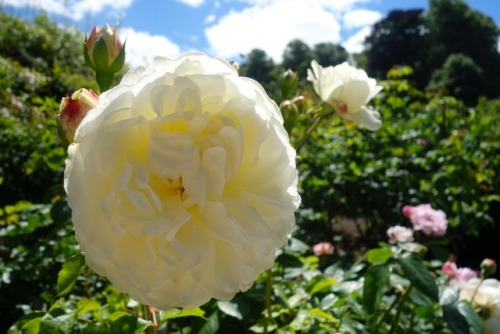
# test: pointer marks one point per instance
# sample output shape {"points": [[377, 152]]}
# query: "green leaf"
{"points": [[62, 324], [25, 319], [230, 309], [95, 328], [211, 326], [180, 313], [323, 285], [60, 212], [472, 318], [449, 295], [321, 315], [455, 320], [129, 324], [69, 274], [374, 287], [88, 305], [419, 276], [28, 324], [378, 255]]}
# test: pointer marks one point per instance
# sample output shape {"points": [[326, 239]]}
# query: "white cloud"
{"points": [[192, 3], [271, 24], [210, 18], [355, 43], [141, 46], [360, 18], [75, 9]]}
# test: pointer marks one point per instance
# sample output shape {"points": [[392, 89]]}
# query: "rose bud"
{"points": [[72, 111], [289, 80], [105, 54], [103, 50], [488, 267]]}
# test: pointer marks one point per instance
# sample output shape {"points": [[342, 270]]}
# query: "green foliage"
{"points": [[432, 148]]}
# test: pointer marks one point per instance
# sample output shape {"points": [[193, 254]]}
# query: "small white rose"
{"points": [[399, 233], [347, 89], [182, 182]]}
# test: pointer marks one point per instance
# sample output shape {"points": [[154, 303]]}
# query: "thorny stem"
{"points": [[476, 289], [267, 315], [149, 313], [386, 312], [401, 304]]}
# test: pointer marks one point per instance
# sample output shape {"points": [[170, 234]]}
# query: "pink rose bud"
{"points": [[72, 111], [103, 50], [323, 248], [425, 218], [407, 209], [399, 234], [488, 267], [421, 142], [449, 269]]}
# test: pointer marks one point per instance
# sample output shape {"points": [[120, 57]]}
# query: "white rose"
{"points": [[182, 182], [347, 89], [399, 233], [486, 299]]}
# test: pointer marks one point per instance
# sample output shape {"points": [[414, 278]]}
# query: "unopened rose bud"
{"points": [[72, 111], [488, 267], [449, 269], [105, 54], [235, 65], [103, 50], [289, 80]]}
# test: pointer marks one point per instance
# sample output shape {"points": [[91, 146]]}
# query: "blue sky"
{"points": [[227, 28]]}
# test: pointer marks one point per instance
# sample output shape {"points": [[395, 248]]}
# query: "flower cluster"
{"points": [[347, 90], [182, 182], [424, 218], [457, 276]]}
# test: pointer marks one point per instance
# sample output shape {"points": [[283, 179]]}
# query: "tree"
{"points": [[258, 66], [401, 38], [330, 54], [461, 77], [456, 28], [298, 56]]}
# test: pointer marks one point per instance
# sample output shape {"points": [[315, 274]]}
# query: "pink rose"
{"points": [[323, 248], [425, 218], [399, 234], [463, 275]]}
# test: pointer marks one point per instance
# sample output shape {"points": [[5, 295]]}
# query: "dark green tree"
{"points": [[460, 77], [457, 28], [258, 65], [330, 54], [298, 56], [401, 38]]}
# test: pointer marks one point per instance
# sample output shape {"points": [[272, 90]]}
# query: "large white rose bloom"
{"points": [[347, 89], [486, 298], [182, 182]]}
